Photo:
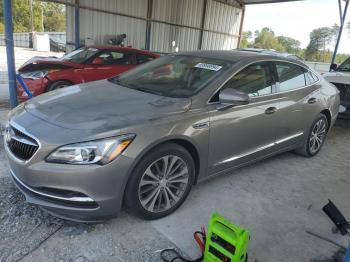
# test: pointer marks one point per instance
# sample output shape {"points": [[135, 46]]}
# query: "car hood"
{"points": [[41, 63], [102, 105]]}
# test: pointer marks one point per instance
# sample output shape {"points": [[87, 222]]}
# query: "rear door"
{"points": [[244, 133], [114, 63], [298, 90]]}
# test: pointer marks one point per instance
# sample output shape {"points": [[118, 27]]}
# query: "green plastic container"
{"points": [[225, 241]]}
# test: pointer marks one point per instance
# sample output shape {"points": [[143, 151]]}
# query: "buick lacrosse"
{"points": [[142, 139]]}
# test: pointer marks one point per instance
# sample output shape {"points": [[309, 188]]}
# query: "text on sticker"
{"points": [[208, 66]]}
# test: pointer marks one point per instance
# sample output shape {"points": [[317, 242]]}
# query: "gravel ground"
{"points": [[23, 227]]}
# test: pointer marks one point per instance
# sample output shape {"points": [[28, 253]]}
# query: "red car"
{"points": [[82, 65]]}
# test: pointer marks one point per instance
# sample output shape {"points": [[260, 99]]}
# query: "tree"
{"points": [[320, 38], [54, 17], [290, 45], [245, 42], [46, 16], [266, 39]]}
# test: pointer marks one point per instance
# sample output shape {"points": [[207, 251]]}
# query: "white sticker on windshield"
{"points": [[208, 66]]}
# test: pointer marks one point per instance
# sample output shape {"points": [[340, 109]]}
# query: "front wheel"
{"points": [[316, 137], [161, 182]]}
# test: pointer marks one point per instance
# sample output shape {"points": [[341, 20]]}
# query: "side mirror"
{"points": [[333, 67], [98, 61], [231, 97]]}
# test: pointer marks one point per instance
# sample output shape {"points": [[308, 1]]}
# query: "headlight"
{"points": [[94, 152], [34, 74]]}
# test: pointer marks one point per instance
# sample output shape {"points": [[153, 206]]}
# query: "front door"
{"points": [[247, 132]]}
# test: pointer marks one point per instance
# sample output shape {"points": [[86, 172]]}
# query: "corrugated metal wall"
{"points": [[171, 20], [223, 21]]}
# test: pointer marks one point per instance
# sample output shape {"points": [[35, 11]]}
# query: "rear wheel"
{"points": [[316, 137], [161, 182], [58, 85]]}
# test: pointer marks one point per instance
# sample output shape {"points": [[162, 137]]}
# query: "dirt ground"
{"points": [[277, 200]]}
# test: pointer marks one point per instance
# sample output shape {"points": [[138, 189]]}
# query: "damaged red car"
{"points": [[44, 74]]}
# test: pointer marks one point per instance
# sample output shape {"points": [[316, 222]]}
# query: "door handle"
{"points": [[270, 110], [312, 100]]}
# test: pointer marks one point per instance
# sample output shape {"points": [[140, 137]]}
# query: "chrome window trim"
{"points": [[71, 199], [276, 83], [21, 129], [259, 149]]}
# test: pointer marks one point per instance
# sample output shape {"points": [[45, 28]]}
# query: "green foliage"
{"points": [[320, 38], [245, 39], [54, 17], [266, 39], [2, 28], [290, 45], [46, 16]]}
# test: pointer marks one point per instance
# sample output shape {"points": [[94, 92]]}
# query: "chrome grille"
{"points": [[20, 144]]}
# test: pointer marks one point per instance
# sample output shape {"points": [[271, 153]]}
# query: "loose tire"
{"points": [[58, 85], [316, 137], [160, 182]]}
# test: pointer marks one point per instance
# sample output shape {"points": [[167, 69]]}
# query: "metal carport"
{"points": [[151, 24]]}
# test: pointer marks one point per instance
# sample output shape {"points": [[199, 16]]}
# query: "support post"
{"points": [[11, 71], [149, 24], [76, 24], [343, 16], [200, 39], [241, 27]]}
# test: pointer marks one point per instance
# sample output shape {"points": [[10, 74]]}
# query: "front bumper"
{"points": [[80, 193], [36, 87]]}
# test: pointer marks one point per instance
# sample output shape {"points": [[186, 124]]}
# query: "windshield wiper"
{"points": [[145, 90], [117, 81], [114, 80]]}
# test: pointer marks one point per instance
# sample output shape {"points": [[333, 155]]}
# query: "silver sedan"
{"points": [[142, 139]]}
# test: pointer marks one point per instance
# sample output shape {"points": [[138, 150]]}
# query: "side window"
{"points": [[255, 80], [142, 58], [114, 57], [310, 78], [290, 76], [345, 66]]}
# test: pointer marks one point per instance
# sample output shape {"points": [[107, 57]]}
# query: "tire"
{"points": [[148, 179], [58, 85], [319, 129]]}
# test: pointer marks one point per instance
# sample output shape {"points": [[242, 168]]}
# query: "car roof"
{"points": [[122, 49], [239, 56]]}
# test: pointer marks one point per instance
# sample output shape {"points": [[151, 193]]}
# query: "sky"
{"points": [[297, 19]]}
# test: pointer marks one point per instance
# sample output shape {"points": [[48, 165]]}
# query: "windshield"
{"points": [[173, 75], [345, 66], [80, 55]]}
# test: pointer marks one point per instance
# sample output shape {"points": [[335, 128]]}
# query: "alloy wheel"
{"points": [[163, 183], [317, 136]]}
